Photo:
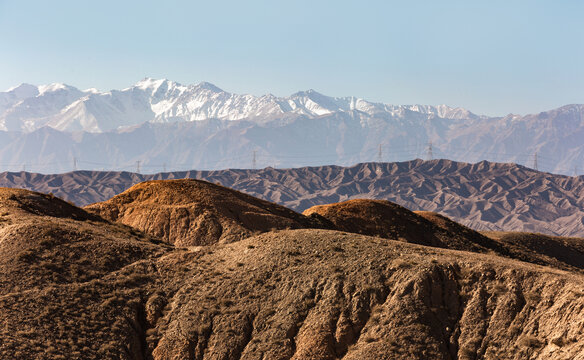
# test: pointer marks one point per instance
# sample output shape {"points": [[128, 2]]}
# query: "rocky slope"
{"points": [[333, 295], [484, 196], [77, 286], [41, 237]]}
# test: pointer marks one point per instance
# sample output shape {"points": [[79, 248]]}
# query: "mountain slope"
{"points": [[388, 220], [41, 238]]}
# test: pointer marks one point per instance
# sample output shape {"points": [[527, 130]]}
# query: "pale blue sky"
{"points": [[492, 57]]}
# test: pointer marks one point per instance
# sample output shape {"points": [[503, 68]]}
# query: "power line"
{"points": [[400, 153]]}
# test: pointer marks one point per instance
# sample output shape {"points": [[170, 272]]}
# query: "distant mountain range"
{"points": [[484, 196], [159, 124]]}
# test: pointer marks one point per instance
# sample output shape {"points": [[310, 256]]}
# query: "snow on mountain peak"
{"points": [[91, 91], [153, 84], [208, 86], [162, 100], [147, 83], [54, 87], [23, 91]]}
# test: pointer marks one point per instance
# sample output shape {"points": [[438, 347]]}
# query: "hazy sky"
{"points": [[492, 57]]}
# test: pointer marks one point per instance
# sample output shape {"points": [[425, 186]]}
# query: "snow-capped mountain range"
{"points": [[159, 125], [65, 108]]}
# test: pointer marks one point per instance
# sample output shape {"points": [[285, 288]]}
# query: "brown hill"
{"points": [[328, 295], [561, 252], [388, 220], [193, 212], [483, 196], [304, 294], [80, 287], [62, 272], [41, 238]]}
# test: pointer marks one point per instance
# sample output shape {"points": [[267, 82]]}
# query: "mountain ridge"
{"points": [[164, 100], [161, 124], [483, 195]]}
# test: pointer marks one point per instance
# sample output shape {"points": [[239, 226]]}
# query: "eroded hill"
{"points": [[327, 295], [193, 212], [388, 220], [281, 294]]}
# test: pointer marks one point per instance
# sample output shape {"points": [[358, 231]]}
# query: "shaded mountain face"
{"points": [[483, 196], [560, 252], [193, 212], [163, 124]]}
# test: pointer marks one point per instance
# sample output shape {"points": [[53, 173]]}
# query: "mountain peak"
{"points": [[24, 90], [208, 86], [150, 83], [307, 93], [54, 87]]}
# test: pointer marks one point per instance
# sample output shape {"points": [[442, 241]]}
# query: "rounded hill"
{"points": [[388, 220], [190, 212]]}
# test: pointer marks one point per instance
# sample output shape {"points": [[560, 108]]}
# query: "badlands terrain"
{"points": [[483, 196], [188, 269]]}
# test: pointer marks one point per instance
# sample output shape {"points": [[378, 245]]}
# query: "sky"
{"points": [[491, 57]]}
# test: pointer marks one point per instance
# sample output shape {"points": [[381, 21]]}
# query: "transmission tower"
{"points": [[430, 154], [379, 154], [253, 161], [74, 164], [138, 166], [535, 161]]}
